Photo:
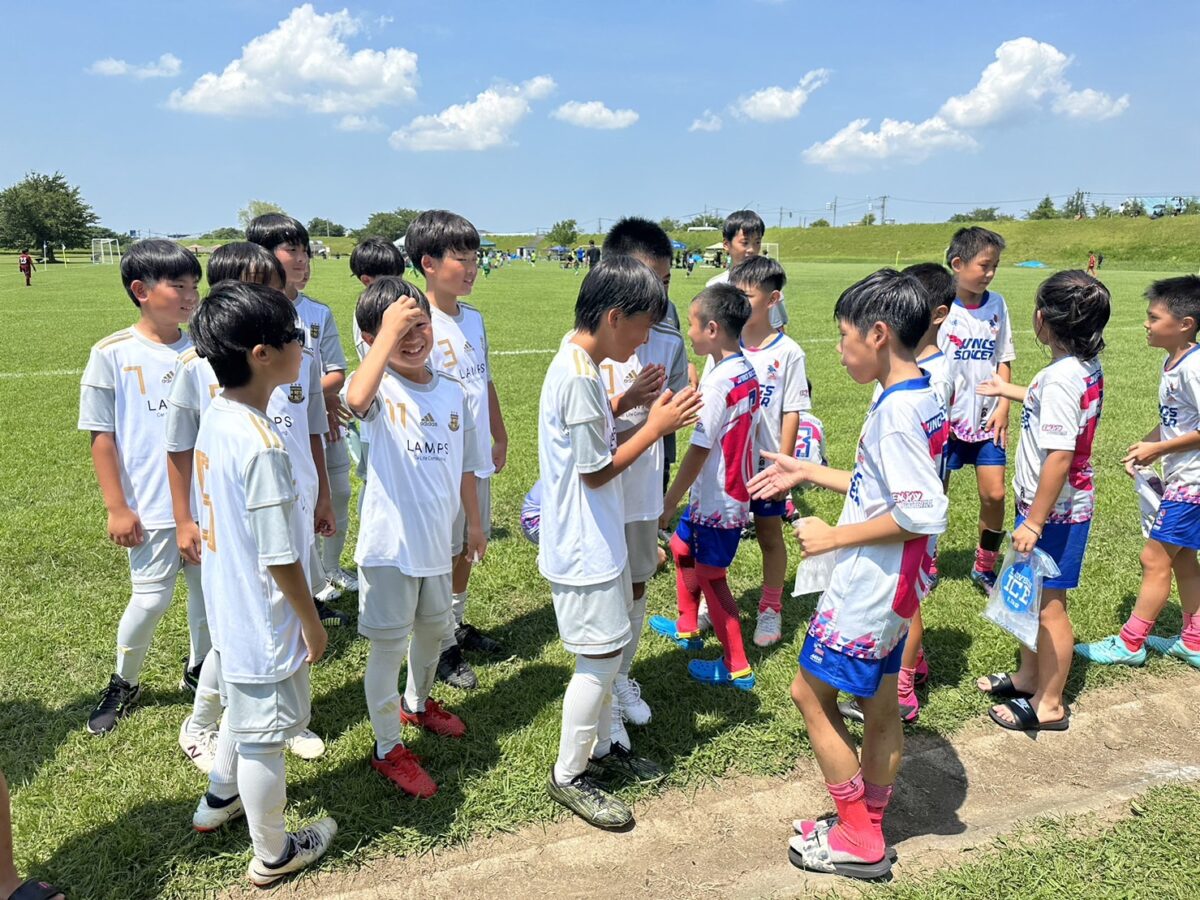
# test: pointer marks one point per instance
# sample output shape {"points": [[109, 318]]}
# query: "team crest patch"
{"points": [[428, 421], [314, 330], [454, 421], [296, 393]]}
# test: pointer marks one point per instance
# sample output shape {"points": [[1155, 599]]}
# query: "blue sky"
{"points": [[171, 117]]}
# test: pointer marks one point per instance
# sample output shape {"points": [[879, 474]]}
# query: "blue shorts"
{"points": [[710, 546], [860, 677], [1177, 523], [765, 509], [1065, 543], [973, 453]]}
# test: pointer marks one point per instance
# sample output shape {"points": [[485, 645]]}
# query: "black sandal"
{"points": [[1026, 718], [36, 890], [1001, 687]]}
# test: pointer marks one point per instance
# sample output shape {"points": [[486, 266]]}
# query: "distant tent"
{"points": [[485, 242], [678, 245], [558, 248], [1032, 264]]}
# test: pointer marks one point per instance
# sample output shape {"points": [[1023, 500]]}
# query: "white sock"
{"points": [[381, 685], [199, 641], [637, 618], [585, 698], [604, 723], [458, 603], [222, 779], [702, 610], [206, 708], [146, 607], [332, 547], [262, 782], [617, 732], [423, 654]]}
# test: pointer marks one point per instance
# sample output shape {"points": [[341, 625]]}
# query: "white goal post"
{"points": [[105, 251], [770, 249]]}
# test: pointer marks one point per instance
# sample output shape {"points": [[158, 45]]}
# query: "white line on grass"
{"points": [[48, 373]]}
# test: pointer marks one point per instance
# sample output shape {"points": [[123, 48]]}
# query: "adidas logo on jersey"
{"points": [[169, 377], [467, 347], [630, 377], [428, 421]]}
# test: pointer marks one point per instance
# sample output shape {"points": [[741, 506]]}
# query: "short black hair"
{"points": [[234, 318], [726, 304], [435, 232], [1075, 307], [1181, 297], [154, 260], [622, 283], [968, 243], [376, 256], [379, 295], [893, 298], [244, 261], [759, 271], [744, 220], [938, 283], [633, 236], [275, 229]]}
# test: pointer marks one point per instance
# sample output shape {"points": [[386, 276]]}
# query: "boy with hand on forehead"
{"points": [[742, 237]]}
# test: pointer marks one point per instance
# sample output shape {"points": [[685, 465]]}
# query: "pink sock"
{"points": [[723, 611], [1191, 631], [1134, 632], [905, 683], [854, 833], [985, 560], [687, 588], [877, 797], [772, 598]]}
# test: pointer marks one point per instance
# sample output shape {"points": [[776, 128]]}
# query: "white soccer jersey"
{"points": [[250, 518], [460, 348], [1061, 412], [728, 421], [975, 341], [810, 440], [933, 365], [582, 528], [422, 441], [360, 346], [876, 588], [124, 392], [322, 334], [783, 384], [1179, 411]]}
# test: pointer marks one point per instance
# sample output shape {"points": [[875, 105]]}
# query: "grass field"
{"points": [[109, 818]]}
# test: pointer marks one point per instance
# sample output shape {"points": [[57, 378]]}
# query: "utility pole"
{"points": [[883, 209], [833, 206], [781, 217]]}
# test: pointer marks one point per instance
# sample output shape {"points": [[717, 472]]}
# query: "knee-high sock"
{"points": [[222, 778], [723, 611], [423, 654], [206, 708], [590, 687], [637, 618], [332, 547], [687, 587], [146, 607], [262, 782], [199, 642], [381, 685]]}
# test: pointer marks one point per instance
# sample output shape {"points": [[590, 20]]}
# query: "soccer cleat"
{"points": [[454, 671], [713, 671], [985, 581], [403, 768], [305, 847], [628, 695], [329, 593], [330, 617], [306, 745], [666, 627], [1174, 646], [471, 638], [346, 580], [191, 676], [620, 763], [198, 746], [590, 802], [909, 712], [768, 630], [1111, 652], [116, 702], [435, 719], [213, 812]]}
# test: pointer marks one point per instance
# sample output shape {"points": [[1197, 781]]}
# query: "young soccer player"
{"points": [[443, 246], [25, 266], [371, 258], [742, 236], [421, 428], [1172, 316], [977, 341], [255, 536], [707, 537], [122, 402], [582, 550], [288, 240], [894, 502], [778, 364], [1055, 494]]}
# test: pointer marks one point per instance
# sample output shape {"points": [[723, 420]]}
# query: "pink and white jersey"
{"points": [[810, 440], [975, 341], [779, 366], [1061, 412], [933, 365], [1179, 410], [876, 588], [728, 420]]}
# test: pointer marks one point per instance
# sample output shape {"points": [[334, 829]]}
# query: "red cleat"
{"points": [[435, 719], [402, 768]]}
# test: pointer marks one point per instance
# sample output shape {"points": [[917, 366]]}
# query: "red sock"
{"points": [[854, 832], [1191, 631], [985, 560], [772, 598], [723, 611], [687, 587], [904, 684], [877, 798], [1135, 631]]}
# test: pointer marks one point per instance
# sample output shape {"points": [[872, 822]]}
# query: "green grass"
{"points": [[109, 818]]}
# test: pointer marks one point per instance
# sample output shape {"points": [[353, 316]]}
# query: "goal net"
{"points": [[105, 251], [771, 249]]}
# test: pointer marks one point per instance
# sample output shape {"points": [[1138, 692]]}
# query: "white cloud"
{"points": [[709, 121], [359, 123], [775, 104], [1090, 104], [856, 148], [485, 122], [166, 66], [594, 114], [304, 62]]}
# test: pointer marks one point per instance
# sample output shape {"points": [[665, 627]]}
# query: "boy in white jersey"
{"points": [[582, 550], [1172, 317], [976, 339], [742, 237], [894, 503], [443, 247], [255, 536], [716, 468], [421, 470], [298, 411], [288, 240], [778, 363], [122, 402]]}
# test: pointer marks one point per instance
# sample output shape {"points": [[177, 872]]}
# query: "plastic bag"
{"points": [[1016, 600], [531, 513], [813, 574], [1149, 489]]}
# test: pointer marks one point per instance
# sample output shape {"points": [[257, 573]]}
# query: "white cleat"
{"points": [[346, 580], [703, 622], [768, 631], [198, 746], [634, 709], [307, 745], [209, 817], [329, 593], [307, 846]]}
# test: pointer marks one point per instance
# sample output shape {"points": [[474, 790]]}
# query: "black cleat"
{"points": [[471, 638], [454, 671], [330, 617], [191, 676], [116, 701]]}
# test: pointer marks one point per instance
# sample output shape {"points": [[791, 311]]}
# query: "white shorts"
{"points": [[156, 558], [266, 713], [389, 601], [337, 457], [593, 619], [641, 539], [483, 490]]}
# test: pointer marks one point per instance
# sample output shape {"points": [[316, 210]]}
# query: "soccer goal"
{"points": [[770, 249], [105, 251]]}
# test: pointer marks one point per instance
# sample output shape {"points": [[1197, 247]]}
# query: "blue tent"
{"points": [[1031, 264], [678, 245], [558, 249], [485, 242]]}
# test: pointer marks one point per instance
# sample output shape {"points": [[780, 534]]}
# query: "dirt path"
{"points": [[952, 796]]}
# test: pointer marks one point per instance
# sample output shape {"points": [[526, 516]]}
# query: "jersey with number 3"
{"points": [[460, 349], [1179, 412]]}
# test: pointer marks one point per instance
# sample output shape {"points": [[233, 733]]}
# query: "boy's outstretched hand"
{"points": [[784, 473], [670, 411], [1143, 453]]}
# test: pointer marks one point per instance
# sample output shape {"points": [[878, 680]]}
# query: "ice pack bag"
{"points": [[1016, 600], [1149, 489], [813, 574]]}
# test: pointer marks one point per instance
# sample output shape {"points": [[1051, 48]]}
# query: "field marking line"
{"points": [[48, 373]]}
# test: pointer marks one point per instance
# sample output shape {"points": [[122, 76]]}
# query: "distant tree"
{"points": [[1133, 208], [102, 231], [256, 208], [1044, 210], [1190, 207], [979, 214], [1102, 211], [819, 223], [390, 225], [1075, 206], [319, 227], [227, 233], [668, 224], [868, 219], [564, 233], [705, 220], [44, 209]]}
